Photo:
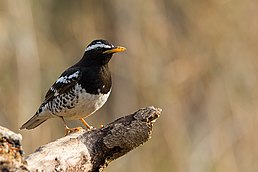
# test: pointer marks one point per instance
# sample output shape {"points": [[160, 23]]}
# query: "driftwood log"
{"points": [[81, 151]]}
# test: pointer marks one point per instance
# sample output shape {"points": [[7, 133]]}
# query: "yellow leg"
{"points": [[70, 130], [86, 124]]}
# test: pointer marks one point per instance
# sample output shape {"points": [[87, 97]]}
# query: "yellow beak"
{"points": [[115, 50]]}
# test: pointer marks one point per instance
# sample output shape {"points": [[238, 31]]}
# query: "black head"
{"points": [[99, 52]]}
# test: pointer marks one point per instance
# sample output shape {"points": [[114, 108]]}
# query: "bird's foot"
{"points": [[89, 127], [72, 130]]}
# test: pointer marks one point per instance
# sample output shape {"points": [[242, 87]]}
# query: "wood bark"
{"points": [[85, 150]]}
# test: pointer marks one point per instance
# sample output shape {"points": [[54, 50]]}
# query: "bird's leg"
{"points": [[69, 130], [86, 124]]}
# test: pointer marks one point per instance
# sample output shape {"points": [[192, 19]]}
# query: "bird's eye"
{"points": [[99, 49]]}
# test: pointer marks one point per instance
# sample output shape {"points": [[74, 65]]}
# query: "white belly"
{"points": [[85, 105]]}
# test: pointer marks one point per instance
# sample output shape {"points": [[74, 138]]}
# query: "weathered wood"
{"points": [[10, 151], [94, 150]]}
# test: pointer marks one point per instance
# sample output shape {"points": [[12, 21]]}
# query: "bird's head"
{"points": [[99, 52]]}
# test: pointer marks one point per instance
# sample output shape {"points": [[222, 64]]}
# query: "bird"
{"points": [[80, 90]]}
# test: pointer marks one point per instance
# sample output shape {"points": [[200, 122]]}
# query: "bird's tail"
{"points": [[33, 122]]}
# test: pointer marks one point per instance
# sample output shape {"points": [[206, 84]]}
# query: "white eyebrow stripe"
{"points": [[98, 46]]}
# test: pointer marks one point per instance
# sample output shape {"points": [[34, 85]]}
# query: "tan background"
{"points": [[197, 60]]}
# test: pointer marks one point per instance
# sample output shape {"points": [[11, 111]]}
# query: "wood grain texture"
{"points": [[93, 150]]}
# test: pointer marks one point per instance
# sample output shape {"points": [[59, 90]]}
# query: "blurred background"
{"points": [[197, 60]]}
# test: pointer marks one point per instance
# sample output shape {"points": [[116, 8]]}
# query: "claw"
{"points": [[86, 124], [72, 130]]}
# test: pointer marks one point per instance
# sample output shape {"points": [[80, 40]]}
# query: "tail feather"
{"points": [[33, 122]]}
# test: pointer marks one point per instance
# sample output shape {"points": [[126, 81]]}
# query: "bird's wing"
{"points": [[66, 81]]}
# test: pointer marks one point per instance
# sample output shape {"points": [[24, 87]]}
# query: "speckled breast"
{"points": [[77, 103]]}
